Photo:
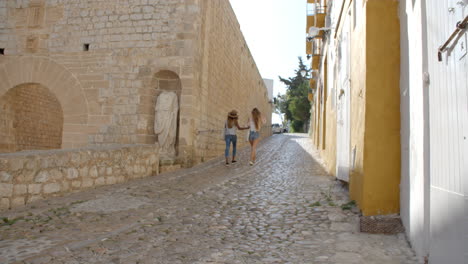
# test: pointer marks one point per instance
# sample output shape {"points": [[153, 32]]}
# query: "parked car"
{"points": [[276, 129]]}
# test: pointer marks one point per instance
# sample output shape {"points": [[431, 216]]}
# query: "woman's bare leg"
{"points": [[251, 149], [253, 153]]}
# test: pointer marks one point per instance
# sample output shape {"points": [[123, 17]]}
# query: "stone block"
{"points": [[5, 177], [116, 171], [44, 164], [65, 186], [76, 184], [93, 172], [102, 171], [136, 169], [111, 180], [20, 189], [72, 173], [100, 181], [34, 188], [169, 168], [16, 164], [34, 198], [6, 189], [18, 201], [56, 175], [4, 203], [153, 158], [120, 179], [29, 175], [84, 172], [61, 161], [87, 183], [4, 163], [33, 164], [42, 176], [52, 188]]}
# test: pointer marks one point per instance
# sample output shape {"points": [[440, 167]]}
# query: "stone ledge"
{"points": [[28, 176], [55, 151]]}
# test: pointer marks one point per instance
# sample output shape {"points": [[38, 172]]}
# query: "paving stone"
{"points": [[205, 214]]}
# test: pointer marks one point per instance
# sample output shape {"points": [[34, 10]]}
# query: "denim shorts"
{"points": [[253, 135]]}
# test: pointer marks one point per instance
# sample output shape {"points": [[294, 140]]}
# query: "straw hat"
{"points": [[233, 114]]}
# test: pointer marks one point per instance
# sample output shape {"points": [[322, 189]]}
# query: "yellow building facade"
{"points": [[359, 61], [323, 117]]}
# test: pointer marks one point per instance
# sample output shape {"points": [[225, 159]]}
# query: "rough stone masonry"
{"points": [[107, 61], [78, 74]]}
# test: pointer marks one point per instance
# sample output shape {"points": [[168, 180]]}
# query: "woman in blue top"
{"points": [[230, 127]]}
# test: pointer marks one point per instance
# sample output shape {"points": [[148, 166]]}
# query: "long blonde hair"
{"points": [[230, 122], [256, 118]]}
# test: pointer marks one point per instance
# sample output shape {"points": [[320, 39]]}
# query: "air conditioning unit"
{"points": [[328, 21], [313, 32]]}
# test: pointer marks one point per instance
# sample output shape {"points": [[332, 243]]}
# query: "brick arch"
{"points": [[31, 118], [62, 83]]}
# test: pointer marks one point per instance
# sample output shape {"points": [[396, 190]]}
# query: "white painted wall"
{"points": [[269, 86], [414, 187], [448, 111]]}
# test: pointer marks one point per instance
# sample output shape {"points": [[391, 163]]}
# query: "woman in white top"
{"points": [[230, 127], [255, 122]]}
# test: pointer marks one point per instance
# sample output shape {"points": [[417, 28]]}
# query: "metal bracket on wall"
{"points": [[460, 27]]}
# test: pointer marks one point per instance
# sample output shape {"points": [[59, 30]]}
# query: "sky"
{"points": [[275, 33]]}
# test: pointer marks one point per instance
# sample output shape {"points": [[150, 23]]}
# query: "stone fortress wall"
{"points": [[227, 77], [79, 74]]}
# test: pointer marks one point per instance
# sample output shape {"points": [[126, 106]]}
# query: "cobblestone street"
{"points": [[284, 209]]}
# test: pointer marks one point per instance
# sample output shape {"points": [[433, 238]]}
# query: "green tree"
{"points": [[295, 103]]}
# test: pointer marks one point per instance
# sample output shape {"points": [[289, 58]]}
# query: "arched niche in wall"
{"points": [[31, 118], [169, 81], [42, 72], [166, 80]]}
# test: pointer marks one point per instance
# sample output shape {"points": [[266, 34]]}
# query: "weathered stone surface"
{"points": [[66, 177], [111, 180], [20, 189], [347, 227], [16, 164], [17, 201], [4, 203], [56, 174], [6, 189], [76, 184], [211, 213], [337, 217], [72, 173], [349, 246], [34, 188], [93, 172], [5, 177], [346, 257], [87, 183], [52, 188], [42, 176], [100, 181], [84, 172], [97, 69]]}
